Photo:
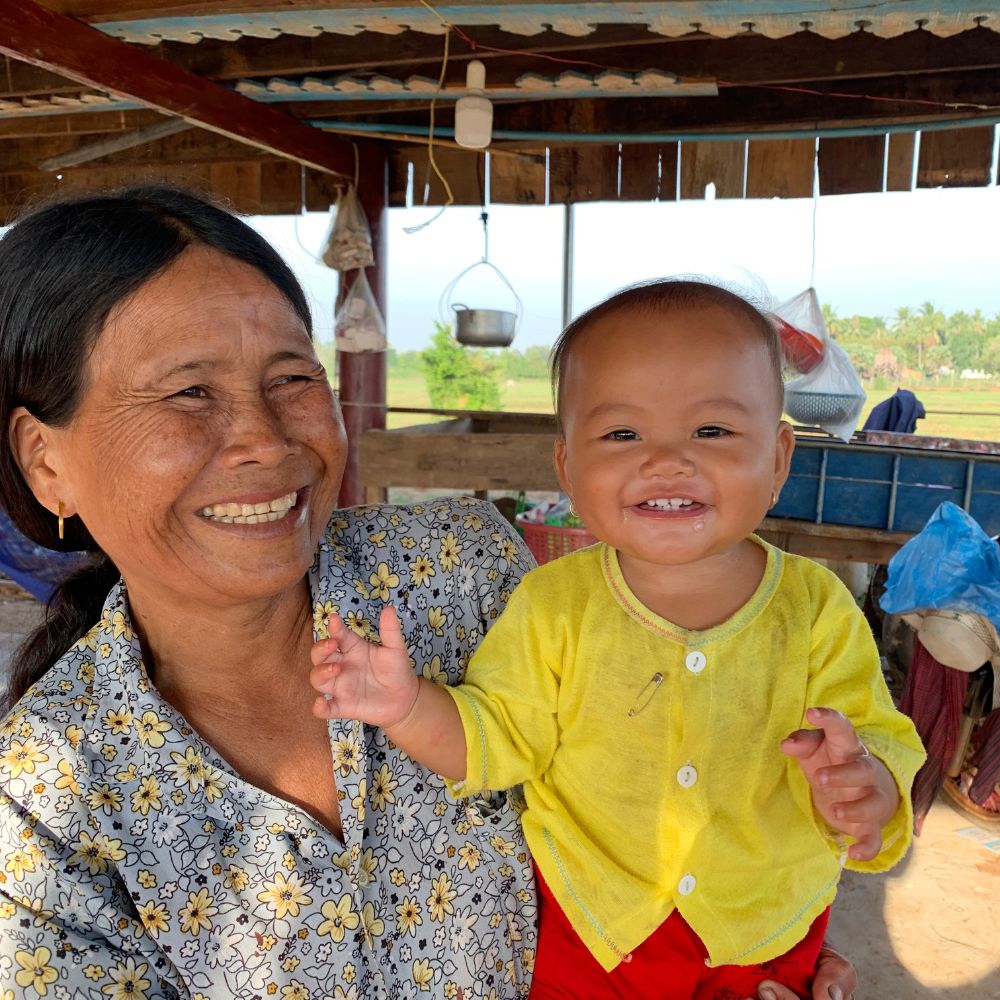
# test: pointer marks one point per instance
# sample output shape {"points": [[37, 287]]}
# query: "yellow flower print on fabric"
{"points": [[382, 581], [151, 728], [358, 801], [421, 571], [20, 862], [94, 853], [409, 916], [187, 768], [285, 896], [89, 641], [439, 901], [450, 553], [339, 917], [437, 620], [434, 671], [121, 627], [118, 720], [321, 617], [346, 754], [67, 779], [147, 796], [197, 915], [154, 917], [383, 786], [104, 798], [128, 981], [372, 926], [35, 972], [423, 975], [21, 757]]}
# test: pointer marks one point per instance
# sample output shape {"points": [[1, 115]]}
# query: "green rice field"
{"points": [[963, 412]]}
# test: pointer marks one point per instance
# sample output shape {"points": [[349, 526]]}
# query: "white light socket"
{"points": [[474, 113]]}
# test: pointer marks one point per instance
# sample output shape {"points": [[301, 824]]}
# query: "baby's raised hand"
{"points": [[852, 790], [361, 680]]}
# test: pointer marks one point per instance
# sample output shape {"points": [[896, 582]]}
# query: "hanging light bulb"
{"points": [[474, 113]]}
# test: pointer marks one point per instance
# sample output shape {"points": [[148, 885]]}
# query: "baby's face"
{"points": [[673, 443]]}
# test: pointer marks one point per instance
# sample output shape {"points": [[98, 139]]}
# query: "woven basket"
{"points": [[547, 541]]}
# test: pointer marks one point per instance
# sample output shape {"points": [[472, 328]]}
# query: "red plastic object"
{"points": [[802, 350], [546, 541]]}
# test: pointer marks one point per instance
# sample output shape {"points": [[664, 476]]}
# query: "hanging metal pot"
{"points": [[480, 327]]}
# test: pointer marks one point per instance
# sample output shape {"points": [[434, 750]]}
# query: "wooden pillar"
{"points": [[362, 376]]}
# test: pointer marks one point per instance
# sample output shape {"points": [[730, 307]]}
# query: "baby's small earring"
{"points": [[774, 499], [62, 524], [572, 508]]}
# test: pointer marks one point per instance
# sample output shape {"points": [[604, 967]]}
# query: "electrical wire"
{"points": [[449, 197]]}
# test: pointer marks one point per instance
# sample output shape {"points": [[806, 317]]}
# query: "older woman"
{"points": [[174, 821]]}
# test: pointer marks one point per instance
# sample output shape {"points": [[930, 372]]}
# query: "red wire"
{"points": [[954, 105]]}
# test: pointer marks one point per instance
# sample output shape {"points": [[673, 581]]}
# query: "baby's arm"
{"points": [[377, 685]]}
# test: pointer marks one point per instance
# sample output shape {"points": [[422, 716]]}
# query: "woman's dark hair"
{"points": [[63, 268], [663, 295]]}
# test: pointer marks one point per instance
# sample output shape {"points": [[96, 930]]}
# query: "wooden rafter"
{"points": [[38, 36]]}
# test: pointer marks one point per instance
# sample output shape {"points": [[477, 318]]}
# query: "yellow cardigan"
{"points": [[650, 757]]}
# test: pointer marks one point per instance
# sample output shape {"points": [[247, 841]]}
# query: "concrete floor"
{"points": [[928, 930]]}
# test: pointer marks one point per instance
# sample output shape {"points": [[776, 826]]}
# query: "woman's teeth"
{"points": [[250, 513], [664, 503]]}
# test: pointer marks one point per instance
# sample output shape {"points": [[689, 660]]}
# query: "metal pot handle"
{"points": [[445, 303]]}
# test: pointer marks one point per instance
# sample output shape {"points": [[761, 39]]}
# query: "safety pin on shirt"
{"points": [[642, 699]]}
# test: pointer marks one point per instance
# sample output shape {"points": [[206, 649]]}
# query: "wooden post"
{"points": [[362, 376]]}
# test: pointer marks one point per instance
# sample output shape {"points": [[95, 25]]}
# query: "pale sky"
{"points": [[874, 252]]}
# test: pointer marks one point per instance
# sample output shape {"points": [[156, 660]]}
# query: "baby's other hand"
{"points": [[362, 680], [852, 790]]}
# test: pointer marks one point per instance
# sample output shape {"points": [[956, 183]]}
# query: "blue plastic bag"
{"points": [[952, 564]]}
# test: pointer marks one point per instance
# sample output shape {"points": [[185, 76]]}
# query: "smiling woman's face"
{"points": [[207, 451]]}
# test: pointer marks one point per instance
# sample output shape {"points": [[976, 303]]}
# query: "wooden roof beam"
{"points": [[39, 36], [752, 59]]}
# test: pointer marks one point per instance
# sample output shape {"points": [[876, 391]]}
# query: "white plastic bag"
{"points": [[348, 243], [359, 327], [802, 331], [829, 396]]}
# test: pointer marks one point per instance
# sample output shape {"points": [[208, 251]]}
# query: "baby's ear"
{"points": [[559, 460], [784, 445], [36, 450]]}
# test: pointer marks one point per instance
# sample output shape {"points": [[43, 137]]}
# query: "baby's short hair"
{"points": [[663, 295]]}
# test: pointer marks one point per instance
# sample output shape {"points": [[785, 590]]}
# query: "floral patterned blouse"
{"points": [[137, 864]]}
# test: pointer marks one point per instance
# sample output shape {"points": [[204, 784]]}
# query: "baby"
{"points": [[643, 690]]}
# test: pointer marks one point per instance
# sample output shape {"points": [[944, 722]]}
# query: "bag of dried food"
{"points": [[348, 243], [359, 326]]}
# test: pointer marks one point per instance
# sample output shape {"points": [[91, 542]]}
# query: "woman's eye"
{"points": [[622, 435], [711, 432], [192, 392]]}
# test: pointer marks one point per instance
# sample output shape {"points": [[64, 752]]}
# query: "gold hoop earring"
{"points": [[774, 499], [572, 509], [62, 526]]}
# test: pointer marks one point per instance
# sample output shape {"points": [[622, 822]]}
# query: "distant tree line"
{"points": [[921, 343]]}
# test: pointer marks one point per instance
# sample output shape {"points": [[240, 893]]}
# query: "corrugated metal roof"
{"points": [[723, 18]]}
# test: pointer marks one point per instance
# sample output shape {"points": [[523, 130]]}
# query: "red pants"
{"points": [[668, 965]]}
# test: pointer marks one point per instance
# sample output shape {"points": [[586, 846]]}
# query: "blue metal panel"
{"points": [[887, 488], [927, 471]]}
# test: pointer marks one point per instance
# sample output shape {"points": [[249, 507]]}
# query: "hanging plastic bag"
{"points": [[802, 331], [952, 564], [348, 243], [826, 391], [359, 327]]}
